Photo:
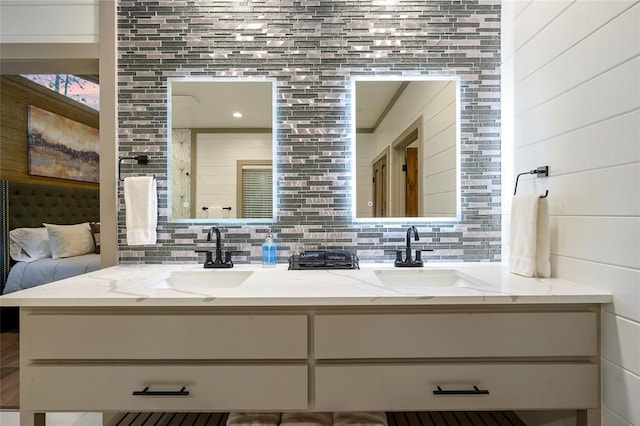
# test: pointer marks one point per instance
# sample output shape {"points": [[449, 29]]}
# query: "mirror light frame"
{"points": [[274, 150], [352, 119]]}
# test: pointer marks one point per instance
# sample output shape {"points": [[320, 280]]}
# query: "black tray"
{"points": [[352, 263]]}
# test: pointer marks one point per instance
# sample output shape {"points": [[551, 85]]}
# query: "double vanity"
{"points": [[182, 338]]}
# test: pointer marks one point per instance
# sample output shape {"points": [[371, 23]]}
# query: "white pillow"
{"points": [[29, 244], [70, 240]]}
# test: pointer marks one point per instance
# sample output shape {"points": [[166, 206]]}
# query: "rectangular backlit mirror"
{"points": [[221, 145], [407, 148]]}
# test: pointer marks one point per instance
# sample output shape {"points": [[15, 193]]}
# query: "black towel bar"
{"points": [[205, 208]]}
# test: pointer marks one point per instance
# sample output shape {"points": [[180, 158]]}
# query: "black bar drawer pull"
{"points": [[147, 392], [474, 391]]}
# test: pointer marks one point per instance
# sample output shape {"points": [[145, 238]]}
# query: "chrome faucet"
{"points": [[409, 261], [218, 262]]}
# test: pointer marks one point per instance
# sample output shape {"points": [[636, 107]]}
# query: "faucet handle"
{"points": [[419, 254], [399, 260], [421, 250], [209, 257]]}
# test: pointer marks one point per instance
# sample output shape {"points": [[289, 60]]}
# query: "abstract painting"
{"points": [[62, 148]]}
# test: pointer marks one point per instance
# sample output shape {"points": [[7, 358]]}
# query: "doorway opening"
{"points": [[407, 172]]}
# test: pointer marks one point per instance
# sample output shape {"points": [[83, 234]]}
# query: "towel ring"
{"points": [[141, 159], [542, 171]]}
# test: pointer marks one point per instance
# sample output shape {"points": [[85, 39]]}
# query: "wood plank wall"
{"points": [[16, 94]]}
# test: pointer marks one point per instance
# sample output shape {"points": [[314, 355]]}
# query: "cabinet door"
{"points": [[402, 387], [119, 335], [457, 335], [206, 387]]}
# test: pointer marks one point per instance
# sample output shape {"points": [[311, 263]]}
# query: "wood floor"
{"points": [[9, 369]]}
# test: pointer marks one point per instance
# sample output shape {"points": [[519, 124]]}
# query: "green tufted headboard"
{"points": [[29, 205]]}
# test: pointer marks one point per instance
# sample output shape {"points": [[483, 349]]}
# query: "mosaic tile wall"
{"points": [[313, 48]]}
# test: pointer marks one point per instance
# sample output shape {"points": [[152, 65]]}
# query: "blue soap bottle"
{"points": [[269, 252]]}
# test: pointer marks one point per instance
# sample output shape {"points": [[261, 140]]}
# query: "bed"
{"points": [[26, 205]]}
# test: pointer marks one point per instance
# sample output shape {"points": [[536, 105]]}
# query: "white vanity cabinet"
{"points": [[161, 360], [439, 359], [309, 358]]}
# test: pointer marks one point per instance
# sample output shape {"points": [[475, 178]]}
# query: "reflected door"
{"points": [[411, 182], [380, 187]]}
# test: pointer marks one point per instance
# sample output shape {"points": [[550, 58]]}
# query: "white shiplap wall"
{"points": [[216, 172], [571, 72]]}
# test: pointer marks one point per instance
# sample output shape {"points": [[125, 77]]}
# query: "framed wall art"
{"points": [[62, 148]]}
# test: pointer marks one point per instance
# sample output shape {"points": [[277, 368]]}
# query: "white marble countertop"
{"points": [[192, 285]]}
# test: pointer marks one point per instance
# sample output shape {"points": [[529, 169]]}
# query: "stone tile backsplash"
{"points": [[313, 49]]}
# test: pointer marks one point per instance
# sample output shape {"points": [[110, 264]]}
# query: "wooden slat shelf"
{"points": [[422, 418]]}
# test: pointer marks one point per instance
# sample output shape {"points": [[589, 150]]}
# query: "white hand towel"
{"points": [[306, 419], [543, 240], [365, 418], [529, 237], [141, 205], [253, 419]]}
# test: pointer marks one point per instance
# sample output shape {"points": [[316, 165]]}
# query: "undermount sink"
{"points": [[424, 278], [208, 278]]}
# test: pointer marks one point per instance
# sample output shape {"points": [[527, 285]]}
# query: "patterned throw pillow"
{"points": [[95, 232]]}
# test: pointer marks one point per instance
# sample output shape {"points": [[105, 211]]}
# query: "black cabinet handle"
{"points": [[474, 391], [147, 392]]}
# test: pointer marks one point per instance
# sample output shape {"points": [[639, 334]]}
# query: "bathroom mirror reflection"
{"points": [[407, 138], [222, 149]]}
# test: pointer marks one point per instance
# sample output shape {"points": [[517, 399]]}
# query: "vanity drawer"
{"points": [[442, 335], [156, 336], [210, 387], [410, 387]]}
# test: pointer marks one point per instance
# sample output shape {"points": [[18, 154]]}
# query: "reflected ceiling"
{"points": [[209, 104]]}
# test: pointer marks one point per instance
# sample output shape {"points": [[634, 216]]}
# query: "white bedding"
{"points": [[30, 274]]}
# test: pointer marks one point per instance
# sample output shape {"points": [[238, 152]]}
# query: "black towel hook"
{"points": [[542, 171], [141, 159]]}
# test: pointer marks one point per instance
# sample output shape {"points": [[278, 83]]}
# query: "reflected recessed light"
{"points": [[237, 114]]}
